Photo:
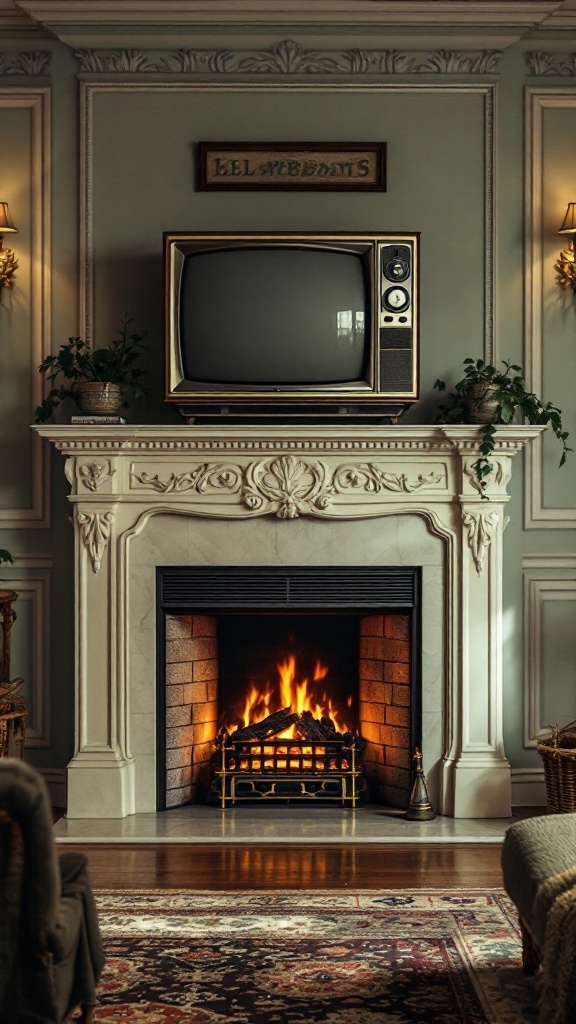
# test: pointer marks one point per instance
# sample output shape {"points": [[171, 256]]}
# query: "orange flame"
{"points": [[297, 694]]}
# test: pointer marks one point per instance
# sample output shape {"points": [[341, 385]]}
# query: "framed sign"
{"points": [[305, 166]]}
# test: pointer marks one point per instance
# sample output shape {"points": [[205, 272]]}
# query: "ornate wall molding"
{"points": [[537, 592], [30, 577], [538, 101], [34, 102], [32, 62], [540, 62], [288, 57]]}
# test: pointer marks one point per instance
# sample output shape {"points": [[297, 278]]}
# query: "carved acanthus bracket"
{"points": [[95, 528], [95, 474], [289, 485], [481, 528]]}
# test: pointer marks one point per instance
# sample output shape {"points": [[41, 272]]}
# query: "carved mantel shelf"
{"points": [[122, 478]]}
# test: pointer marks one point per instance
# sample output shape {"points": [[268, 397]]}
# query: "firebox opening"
{"points": [[289, 696]]}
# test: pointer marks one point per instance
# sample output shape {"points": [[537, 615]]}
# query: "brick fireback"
{"points": [[384, 705]]}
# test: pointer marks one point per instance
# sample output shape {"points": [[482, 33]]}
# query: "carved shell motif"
{"points": [[288, 485]]}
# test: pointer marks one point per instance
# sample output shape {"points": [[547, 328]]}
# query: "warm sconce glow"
{"points": [[8, 261], [565, 266]]}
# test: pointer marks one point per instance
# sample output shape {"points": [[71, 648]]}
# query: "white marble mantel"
{"points": [[299, 491]]}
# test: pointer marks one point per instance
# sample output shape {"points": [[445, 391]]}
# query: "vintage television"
{"points": [[285, 324]]}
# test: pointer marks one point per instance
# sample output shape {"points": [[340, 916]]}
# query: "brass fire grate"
{"points": [[289, 770]]}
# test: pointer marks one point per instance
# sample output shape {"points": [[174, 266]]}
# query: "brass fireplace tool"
{"points": [[419, 808]]}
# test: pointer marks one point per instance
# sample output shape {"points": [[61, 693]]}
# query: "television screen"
{"points": [[274, 316]]}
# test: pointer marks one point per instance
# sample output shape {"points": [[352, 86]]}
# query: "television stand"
{"points": [[383, 414]]}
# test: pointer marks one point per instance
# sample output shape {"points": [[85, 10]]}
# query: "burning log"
{"points": [[310, 727], [270, 726]]}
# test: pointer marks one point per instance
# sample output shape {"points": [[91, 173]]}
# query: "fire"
{"points": [[299, 694]]}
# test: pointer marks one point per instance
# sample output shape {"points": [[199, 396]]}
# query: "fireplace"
{"points": [[354, 496], [319, 664]]}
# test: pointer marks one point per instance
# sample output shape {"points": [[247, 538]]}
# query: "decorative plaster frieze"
{"points": [[287, 486], [95, 474], [96, 527], [370, 477], [35, 62], [288, 58], [540, 62], [201, 478], [481, 528]]}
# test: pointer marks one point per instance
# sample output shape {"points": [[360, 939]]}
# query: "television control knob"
{"points": [[396, 269], [396, 299]]}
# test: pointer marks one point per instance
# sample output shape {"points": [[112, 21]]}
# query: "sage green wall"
{"points": [[143, 182]]}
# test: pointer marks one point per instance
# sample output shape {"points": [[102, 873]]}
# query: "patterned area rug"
{"points": [[365, 957]]}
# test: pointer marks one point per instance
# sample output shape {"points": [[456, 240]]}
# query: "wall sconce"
{"points": [[565, 266], [8, 261]]}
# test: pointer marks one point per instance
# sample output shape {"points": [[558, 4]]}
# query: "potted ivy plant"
{"points": [[489, 396], [100, 380]]}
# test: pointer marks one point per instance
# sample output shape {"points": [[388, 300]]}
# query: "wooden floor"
{"points": [[283, 866]]}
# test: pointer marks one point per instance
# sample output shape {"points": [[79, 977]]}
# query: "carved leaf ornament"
{"points": [[481, 528], [96, 528], [289, 58], [201, 478], [370, 477]]}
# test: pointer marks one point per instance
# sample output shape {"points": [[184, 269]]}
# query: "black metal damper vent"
{"points": [[219, 587]]}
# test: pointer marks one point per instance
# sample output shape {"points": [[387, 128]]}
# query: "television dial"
{"points": [[396, 269], [396, 299]]}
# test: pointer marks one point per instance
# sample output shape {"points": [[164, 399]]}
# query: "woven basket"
{"points": [[559, 770]]}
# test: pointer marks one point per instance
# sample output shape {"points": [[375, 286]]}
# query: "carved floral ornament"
{"points": [[287, 486], [95, 474]]}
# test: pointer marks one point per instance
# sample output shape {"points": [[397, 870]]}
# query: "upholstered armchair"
{"points": [[50, 947]]}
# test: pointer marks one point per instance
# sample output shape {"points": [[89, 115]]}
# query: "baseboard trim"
{"points": [[528, 787], [55, 779]]}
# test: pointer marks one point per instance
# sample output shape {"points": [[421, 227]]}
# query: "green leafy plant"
{"points": [[506, 393], [76, 361], [5, 556]]}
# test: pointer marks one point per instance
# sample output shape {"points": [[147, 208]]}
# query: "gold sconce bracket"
{"points": [[565, 265], [8, 261]]}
